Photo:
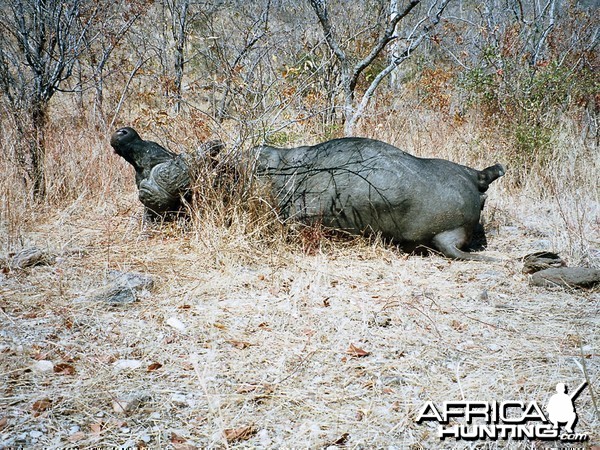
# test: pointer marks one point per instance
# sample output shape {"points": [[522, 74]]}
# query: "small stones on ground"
{"points": [[43, 366], [129, 403], [179, 400], [127, 364], [570, 277], [549, 270], [29, 257], [176, 323], [381, 320], [122, 288], [534, 262]]}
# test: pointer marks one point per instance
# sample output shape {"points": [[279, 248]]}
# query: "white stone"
{"points": [[43, 366], [127, 364], [177, 324]]}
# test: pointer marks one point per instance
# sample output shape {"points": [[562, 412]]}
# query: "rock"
{"points": [[30, 257], [581, 277], [381, 320], [123, 288], [125, 364], [177, 324], [179, 399], [534, 262], [133, 280], [43, 366], [124, 405]]}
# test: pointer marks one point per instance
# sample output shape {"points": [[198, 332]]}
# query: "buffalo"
{"points": [[365, 186]]}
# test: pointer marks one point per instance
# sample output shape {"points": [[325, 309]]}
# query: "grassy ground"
{"points": [[263, 351]]}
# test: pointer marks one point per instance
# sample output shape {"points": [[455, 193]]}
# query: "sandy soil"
{"points": [[242, 344]]}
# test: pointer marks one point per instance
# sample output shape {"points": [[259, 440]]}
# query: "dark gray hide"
{"points": [[366, 186], [163, 178]]}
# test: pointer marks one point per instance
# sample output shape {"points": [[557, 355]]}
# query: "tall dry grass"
{"points": [[270, 308], [559, 195]]}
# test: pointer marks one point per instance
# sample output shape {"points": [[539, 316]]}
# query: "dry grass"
{"points": [[270, 314]]}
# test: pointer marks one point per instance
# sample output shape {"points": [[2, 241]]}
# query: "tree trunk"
{"points": [[179, 19], [37, 149]]}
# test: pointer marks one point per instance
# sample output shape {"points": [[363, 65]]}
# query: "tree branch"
{"points": [[384, 39], [366, 98], [321, 11]]}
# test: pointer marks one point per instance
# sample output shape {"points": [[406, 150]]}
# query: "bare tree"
{"points": [[101, 42], [253, 34], [179, 23], [352, 70], [40, 42]]}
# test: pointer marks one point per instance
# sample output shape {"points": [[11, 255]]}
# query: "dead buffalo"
{"points": [[163, 178], [366, 186]]}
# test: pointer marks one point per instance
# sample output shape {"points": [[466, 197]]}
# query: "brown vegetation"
{"points": [[285, 336]]}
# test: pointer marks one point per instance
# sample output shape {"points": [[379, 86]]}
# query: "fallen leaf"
{"points": [[118, 423], [184, 446], [339, 441], [458, 326], [40, 406], [240, 434], [76, 437], [176, 439], [40, 356], [246, 389], [357, 352], [96, 428], [219, 325], [154, 366], [3, 422], [68, 323], [240, 344], [64, 369]]}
